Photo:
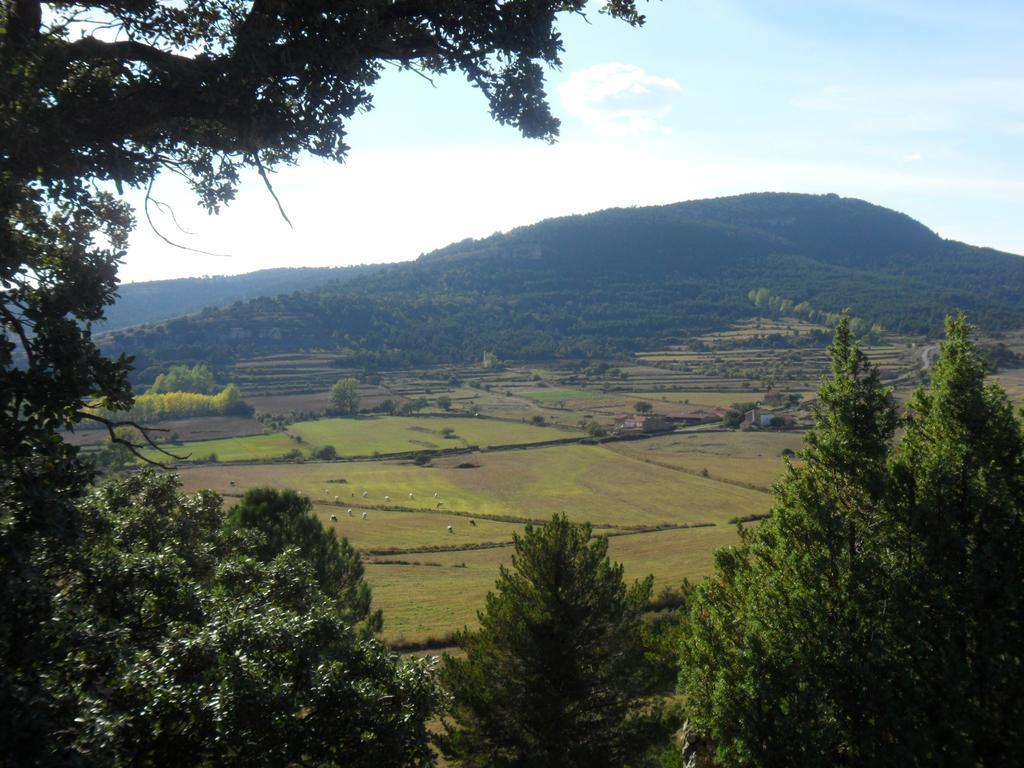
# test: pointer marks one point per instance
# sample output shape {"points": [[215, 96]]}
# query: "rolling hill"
{"points": [[614, 281], [156, 300]]}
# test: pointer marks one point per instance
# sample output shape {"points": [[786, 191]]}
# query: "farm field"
{"points": [[587, 483], [666, 501], [430, 601], [393, 434], [199, 428], [370, 435], [557, 395], [744, 458], [252, 448], [1013, 382]]}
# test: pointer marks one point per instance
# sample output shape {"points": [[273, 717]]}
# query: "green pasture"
{"points": [[370, 435], [396, 434], [497, 404], [588, 483], [556, 395], [252, 448], [421, 601], [390, 530]]}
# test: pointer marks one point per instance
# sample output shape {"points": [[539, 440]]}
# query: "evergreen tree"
{"points": [[285, 519], [185, 643], [874, 618], [960, 491], [555, 674]]}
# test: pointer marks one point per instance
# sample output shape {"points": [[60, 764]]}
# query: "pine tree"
{"points": [[960, 490], [875, 618], [555, 674]]}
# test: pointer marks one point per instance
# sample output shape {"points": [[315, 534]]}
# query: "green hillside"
{"points": [[616, 280], [156, 300]]}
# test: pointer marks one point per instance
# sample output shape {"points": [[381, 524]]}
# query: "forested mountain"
{"points": [[617, 280], [156, 300]]}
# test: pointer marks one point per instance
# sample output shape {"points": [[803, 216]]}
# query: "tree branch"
{"points": [[92, 49], [112, 425]]}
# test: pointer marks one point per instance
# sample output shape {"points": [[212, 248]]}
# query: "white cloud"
{"points": [[618, 99], [913, 157]]}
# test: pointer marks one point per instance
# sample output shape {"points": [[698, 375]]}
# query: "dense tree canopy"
{"points": [[286, 519], [875, 618], [99, 96], [555, 675], [344, 398], [179, 641]]}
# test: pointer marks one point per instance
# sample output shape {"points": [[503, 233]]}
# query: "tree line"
{"points": [[151, 408]]}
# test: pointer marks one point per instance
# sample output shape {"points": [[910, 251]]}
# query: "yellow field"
{"points": [[587, 483], [421, 601], [746, 458], [1013, 383]]}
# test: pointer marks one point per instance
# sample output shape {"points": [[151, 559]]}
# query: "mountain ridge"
{"points": [[605, 282]]}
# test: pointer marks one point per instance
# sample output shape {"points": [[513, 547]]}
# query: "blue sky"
{"points": [[917, 106]]}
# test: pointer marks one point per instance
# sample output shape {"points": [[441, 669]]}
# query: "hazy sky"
{"points": [[917, 106]]}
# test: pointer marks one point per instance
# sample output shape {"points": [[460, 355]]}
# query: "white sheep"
{"points": [[435, 494], [411, 496], [337, 499], [387, 498], [365, 494], [350, 511], [364, 515], [450, 529], [334, 518]]}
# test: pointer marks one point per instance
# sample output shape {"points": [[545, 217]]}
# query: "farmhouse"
{"points": [[757, 418], [635, 422], [693, 416]]}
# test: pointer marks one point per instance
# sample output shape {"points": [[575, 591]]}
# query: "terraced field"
{"points": [[665, 501]]}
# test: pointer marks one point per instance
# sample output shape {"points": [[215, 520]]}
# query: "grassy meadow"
{"points": [[665, 501], [587, 483], [370, 435], [446, 589]]}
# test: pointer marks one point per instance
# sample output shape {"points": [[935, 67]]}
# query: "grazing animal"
{"points": [[364, 515], [365, 494], [435, 494], [334, 518], [337, 499], [440, 504], [473, 523], [411, 496], [231, 483], [387, 498], [450, 529], [350, 511]]}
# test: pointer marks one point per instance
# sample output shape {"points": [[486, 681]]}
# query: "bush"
{"points": [[325, 453]]}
